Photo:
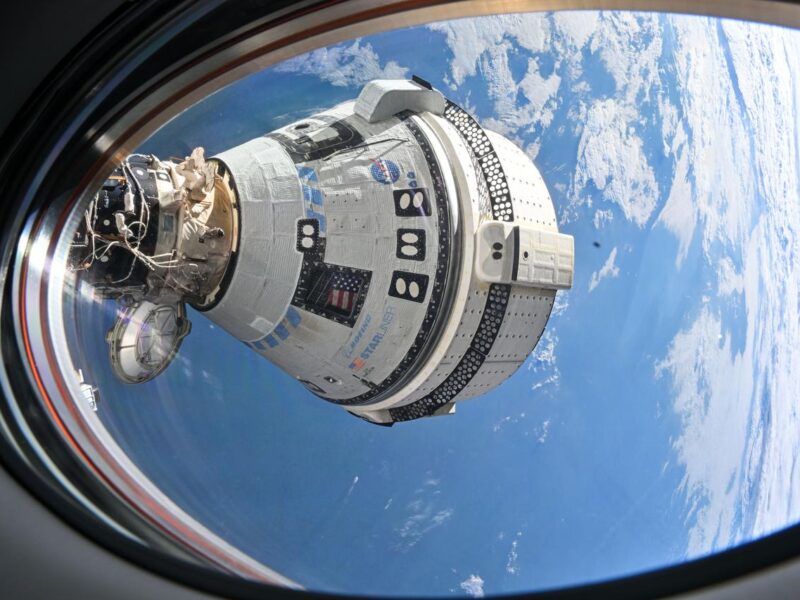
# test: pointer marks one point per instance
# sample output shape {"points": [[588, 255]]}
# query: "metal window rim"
{"points": [[106, 98]]}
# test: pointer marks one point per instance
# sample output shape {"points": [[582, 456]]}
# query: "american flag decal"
{"points": [[331, 291], [341, 299], [343, 291]]}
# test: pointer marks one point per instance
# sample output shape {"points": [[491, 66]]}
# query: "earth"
{"points": [[656, 421]]}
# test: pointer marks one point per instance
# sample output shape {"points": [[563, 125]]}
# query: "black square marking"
{"points": [[411, 244], [409, 286], [412, 203], [307, 235]]}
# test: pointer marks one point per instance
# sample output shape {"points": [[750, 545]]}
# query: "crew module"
{"points": [[389, 253]]}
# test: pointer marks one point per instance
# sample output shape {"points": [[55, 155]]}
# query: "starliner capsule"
{"points": [[389, 253]]}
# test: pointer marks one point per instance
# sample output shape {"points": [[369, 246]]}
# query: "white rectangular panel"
{"points": [[522, 254]]}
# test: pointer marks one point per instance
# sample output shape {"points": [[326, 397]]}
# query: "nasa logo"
{"points": [[385, 171]]}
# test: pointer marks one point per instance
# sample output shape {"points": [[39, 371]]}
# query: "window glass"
{"points": [[634, 412]]}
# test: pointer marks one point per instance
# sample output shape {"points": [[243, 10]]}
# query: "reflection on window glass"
{"points": [[653, 421]]}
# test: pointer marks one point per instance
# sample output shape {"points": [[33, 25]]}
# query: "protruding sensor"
{"points": [[389, 253]]}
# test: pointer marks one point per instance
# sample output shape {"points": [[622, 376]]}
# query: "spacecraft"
{"points": [[389, 253]]}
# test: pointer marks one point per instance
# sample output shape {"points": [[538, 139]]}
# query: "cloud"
{"points": [[728, 280], [630, 46], [611, 153], [712, 393], [473, 586], [352, 487], [560, 304], [499, 425], [680, 212], [733, 143], [519, 102], [543, 431], [511, 563], [564, 34], [714, 189], [728, 147], [543, 362], [541, 93], [609, 269], [738, 437], [735, 191], [507, 419], [576, 27], [422, 519], [343, 66], [468, 39], [602, 217], [611, 159]]}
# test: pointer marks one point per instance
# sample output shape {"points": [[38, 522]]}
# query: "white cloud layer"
{"points": [[512, 568], [423, 516], [739, 440], [486, 45], [543, 363], [470, 38], [732, 139], [712, 398], [352, 487], [611, 158], [473, 586], [602, 217], [609, 269], [543, 431], [342, 66]]}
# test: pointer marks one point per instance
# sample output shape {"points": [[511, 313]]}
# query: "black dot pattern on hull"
{"points": [[470, 363], [485, 158]]}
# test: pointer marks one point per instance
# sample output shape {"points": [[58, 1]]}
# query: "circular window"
{"points": [[245, 307]]}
